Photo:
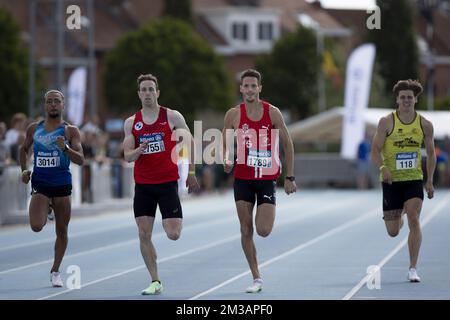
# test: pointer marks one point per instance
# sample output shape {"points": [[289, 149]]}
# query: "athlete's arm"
{"points": [[177, 122], [129, 151], [377, 145], [431, 155], [228, 139], [288, 146], [24, 152], [178, 125], [74, 151]]}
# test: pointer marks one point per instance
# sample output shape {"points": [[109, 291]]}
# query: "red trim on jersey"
{"points": [[257, 147], [156, 166]]}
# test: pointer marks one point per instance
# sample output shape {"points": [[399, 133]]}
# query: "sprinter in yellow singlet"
{"points": [[396, 151]]}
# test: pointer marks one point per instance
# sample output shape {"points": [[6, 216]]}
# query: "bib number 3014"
{"points": [[47, 162]]}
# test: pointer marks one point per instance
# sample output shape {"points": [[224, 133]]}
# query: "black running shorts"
{"points": [[396, 194], [52, 192], [164, 195], [248, 190]]}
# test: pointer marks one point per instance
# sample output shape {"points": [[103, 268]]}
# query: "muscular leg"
{"points": [[413, 207], [265, 217], [38, 210], [145, 226], [393, 221], [245, 210], [172, 227], [62, 209]]}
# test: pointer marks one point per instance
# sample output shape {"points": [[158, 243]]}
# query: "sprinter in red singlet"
{"points": [[257, 126], [148, 143]]}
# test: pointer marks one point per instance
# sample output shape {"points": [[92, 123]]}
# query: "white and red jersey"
{"points": [[257, 147], [155, 165]]}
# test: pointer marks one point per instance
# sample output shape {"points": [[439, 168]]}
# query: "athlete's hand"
{"points": [[289, 186], [429, 189], [192, 183], [142, 147], [387, 176], [60, 142], [227, 165], [26, 175]]}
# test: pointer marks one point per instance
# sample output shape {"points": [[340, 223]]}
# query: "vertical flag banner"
{"points": [[76, 93], [357, 91]]}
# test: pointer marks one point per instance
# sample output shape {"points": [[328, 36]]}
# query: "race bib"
{"points": [[47, 162], [259, 159], [406, 160], [155, 143]]}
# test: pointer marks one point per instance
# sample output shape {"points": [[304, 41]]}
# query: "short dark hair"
{"points": [[251, 73], [413, 85], [18, 117], [53, 91], [144, 77]]}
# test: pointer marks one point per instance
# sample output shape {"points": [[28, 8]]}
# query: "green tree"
{"points": [[180, 9], [191, 76], [290, 73], [13, 68], [397, 52], [378, 96], [334, 80]]}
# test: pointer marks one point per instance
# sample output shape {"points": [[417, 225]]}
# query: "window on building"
{"points": [[240, 31], [265, 31]]}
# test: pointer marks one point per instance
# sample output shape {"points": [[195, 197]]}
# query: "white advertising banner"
{"points": [[357, 92], [76, 93]]}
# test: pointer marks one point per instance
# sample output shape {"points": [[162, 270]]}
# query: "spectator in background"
{"points": [[362, 178], [86, 171], [4, 152], [208, 180], [15, 136], [441, 166], [101, 148], [446, 151], [89, 136]]}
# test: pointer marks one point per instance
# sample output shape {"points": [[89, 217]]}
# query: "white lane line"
{"points": [[172, 257], [198, 225], [293, 250], [213, 244], [120, 224], [72, 235], [128, 223], [402, 243], [116, 245], [205, 247]]}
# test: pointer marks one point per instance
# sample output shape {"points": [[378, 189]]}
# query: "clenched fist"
{"points": [[26, 175], [60, 142], [227, 166]]}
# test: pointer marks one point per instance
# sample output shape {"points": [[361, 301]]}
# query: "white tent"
{"points": [[327, 126]]}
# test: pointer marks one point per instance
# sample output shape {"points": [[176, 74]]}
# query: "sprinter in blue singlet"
{"points": [[55, 145]]}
